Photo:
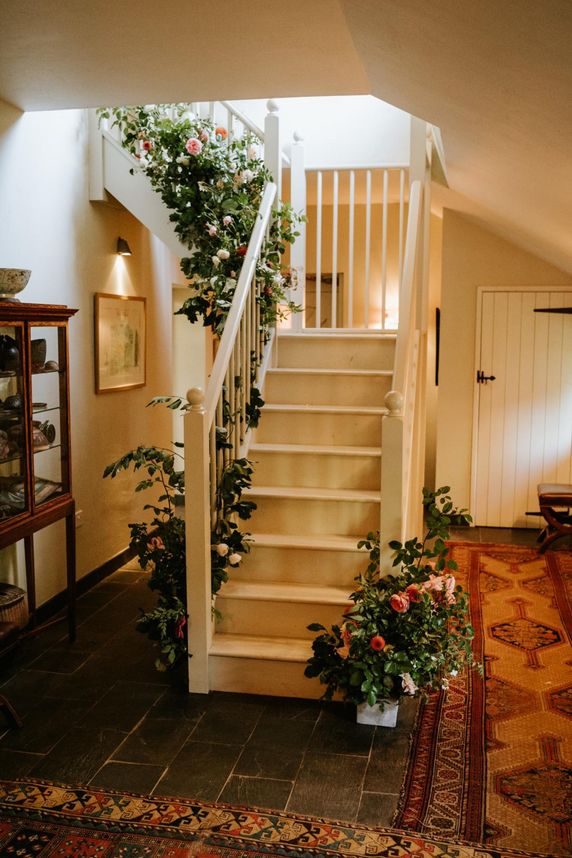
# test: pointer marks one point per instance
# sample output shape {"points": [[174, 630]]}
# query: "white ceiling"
{"points": [[494, 75]]}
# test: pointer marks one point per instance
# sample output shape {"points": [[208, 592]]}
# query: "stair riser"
{"points": [[256, 676], [335, 352], [311, 470], [273, 619], [297, 516], [316, 389], [301, 566], [358, 430]]}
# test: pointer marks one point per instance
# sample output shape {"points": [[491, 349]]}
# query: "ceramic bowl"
{"points": [[12, 281]]}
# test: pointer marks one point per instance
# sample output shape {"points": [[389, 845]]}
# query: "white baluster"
{"points": [[197, 540], [401, 231], [273, 148], [318, 249], [384, 250], [351, 231], [298, 251], [334, 318], [367, 246]]}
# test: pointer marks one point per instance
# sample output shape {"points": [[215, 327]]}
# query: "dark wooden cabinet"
{"points": [[35, 456]]}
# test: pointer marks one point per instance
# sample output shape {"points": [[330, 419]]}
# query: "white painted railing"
{"points": [[244, 351], [350, 255], [402, 428]]}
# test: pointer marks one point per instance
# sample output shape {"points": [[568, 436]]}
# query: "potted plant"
{"points": [[407, 631]]}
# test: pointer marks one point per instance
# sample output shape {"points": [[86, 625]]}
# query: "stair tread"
{"points": [[320, 542], [267, 648], [284, 591], [305, 493], [368, 373], [319, 449], [343, 333], [326, 409]]}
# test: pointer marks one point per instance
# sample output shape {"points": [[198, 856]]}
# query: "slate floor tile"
{"points": [[79, 755], [175, 703], [154, 742], [328, 785], [256, 792], [123, 706], [127, 776], [269, 762], [386, 765], [281, 732], [200, 770], [228, 722], [44, 725], [62, 659], [377, 809], [16, 764], [336, 732]]}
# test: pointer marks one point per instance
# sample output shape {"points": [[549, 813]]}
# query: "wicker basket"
{"points": [[13, 605]]}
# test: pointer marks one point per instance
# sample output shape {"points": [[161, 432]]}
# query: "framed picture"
{"points": [[120, 342]]}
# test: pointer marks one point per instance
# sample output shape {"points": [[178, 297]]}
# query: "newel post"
{"points": [[273, 148], [298, 200], [95, 143], [197, 540], [391, 518]]}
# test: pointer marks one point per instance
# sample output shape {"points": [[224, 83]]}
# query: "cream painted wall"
{"points": [[49, 225], [472, 257]]}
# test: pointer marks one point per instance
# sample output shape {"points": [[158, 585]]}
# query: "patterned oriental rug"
{"points": [[491, 759], [46, 820]]}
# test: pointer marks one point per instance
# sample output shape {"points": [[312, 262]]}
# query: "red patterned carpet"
{"points": [[46, 820], [492, 759]]}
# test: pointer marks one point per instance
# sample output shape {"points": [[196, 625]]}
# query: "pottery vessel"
{"points": [[12, 281], [380, 715]]}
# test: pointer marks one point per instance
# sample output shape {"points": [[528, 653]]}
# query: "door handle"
{"points": [[482, 378]]}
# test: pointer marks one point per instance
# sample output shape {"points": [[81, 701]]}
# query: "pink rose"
{"points": [[227, 219], [413, 593], [154, 543], [193, 146], [450, 585], [211, 229], [399, 602], [434, 583]]}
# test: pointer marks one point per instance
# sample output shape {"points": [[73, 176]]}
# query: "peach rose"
{"points": [[399, 602]]}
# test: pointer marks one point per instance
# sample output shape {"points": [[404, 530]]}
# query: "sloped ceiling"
{"points": [[496, 77]]}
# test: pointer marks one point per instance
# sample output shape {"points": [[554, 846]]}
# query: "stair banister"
{"points": [[398, 426], [203, 462]]}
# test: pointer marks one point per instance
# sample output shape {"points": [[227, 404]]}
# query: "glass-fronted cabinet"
{"points": [[35, 473]]}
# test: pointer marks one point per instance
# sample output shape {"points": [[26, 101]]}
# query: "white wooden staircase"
{"points": [[317, 485]]}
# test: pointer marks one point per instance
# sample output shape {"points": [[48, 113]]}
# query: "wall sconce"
{"points": [[123, 248]]}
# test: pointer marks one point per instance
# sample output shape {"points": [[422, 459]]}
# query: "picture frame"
{"points": [[120, 342]]}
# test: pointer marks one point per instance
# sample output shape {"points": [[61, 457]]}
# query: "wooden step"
{"points": [[316, 465], [262, 665], [365, 350], [324, 560], [327, 386], [314, 511], [325, 425]]}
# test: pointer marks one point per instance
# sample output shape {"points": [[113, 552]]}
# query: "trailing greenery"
{"points": [[213, 187], [159, 544], [407, 631]]}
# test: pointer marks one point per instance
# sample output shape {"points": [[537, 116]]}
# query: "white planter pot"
{"points": [[381, 715]]}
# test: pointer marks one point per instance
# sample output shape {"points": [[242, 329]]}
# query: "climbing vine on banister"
{"points": [[213, 187]]}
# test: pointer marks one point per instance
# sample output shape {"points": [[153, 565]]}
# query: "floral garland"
{"points": [[213, 187]]}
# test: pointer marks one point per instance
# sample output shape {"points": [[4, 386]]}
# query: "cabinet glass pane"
{"points": [[49, 418], [13, 493]]}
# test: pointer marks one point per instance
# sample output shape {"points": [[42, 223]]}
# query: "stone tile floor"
{"points": [[96, 712]]}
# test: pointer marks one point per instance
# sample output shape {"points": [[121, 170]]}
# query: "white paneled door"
{"points": [[523, 424]]}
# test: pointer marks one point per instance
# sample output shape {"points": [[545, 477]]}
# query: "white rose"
{"points": [[222, 549], [227, 220], [247, 176], [408, 684], [234, 559], [215, 261], [183, 161], [223, 254]]}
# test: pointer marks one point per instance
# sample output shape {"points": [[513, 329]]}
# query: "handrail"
{"points": [[406, 298], [242, 117], [238, 303]]}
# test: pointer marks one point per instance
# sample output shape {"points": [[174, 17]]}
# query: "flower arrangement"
{"points": [[213, 187], [407, 631]]}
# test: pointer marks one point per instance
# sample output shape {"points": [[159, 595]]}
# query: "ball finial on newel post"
{"points": [[196, 398], [394, 402]]}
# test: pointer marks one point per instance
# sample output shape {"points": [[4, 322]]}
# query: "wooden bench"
{"points": [[555, 501]]}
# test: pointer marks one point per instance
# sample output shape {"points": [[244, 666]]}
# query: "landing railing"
{"points": [[220, 413]]}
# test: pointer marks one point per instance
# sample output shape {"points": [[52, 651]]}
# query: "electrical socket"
{"points": [[79, 518]]}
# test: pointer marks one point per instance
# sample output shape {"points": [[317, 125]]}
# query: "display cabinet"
{"points": [[35, 456]]}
